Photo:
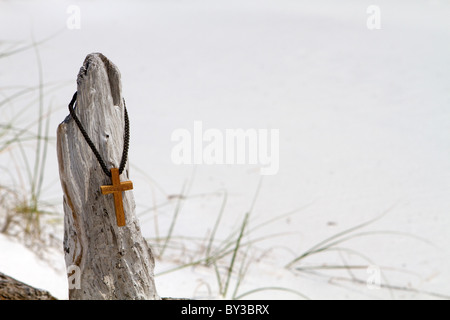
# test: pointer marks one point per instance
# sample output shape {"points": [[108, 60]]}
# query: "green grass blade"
{"points": [[235, 251]]}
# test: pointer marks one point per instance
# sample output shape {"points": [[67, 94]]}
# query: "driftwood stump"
{"points": [[104, 261]]}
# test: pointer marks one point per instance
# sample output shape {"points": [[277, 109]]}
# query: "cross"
{"points": [[117, 188]]}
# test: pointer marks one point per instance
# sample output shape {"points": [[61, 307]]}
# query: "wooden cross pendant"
{"points": [[117, 188]]}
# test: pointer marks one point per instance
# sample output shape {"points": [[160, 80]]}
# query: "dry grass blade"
{"points": [[327, 243]]}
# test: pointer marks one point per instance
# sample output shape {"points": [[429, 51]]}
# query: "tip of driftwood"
{"points": [[93, 66]]}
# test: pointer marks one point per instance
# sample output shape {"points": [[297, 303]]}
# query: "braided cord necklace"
{"points": [[126, 140], [117, 186]]}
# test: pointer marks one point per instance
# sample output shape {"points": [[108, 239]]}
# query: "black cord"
{"points": [[126, 138]]}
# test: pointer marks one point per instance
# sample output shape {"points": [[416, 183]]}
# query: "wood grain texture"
{"points": [[115, 262], [12, 289]]}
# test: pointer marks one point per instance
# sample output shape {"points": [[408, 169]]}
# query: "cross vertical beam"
{"points": [[116, 189]]}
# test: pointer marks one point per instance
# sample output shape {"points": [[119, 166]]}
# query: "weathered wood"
{"points": [[114, 262], [12, 289]]}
